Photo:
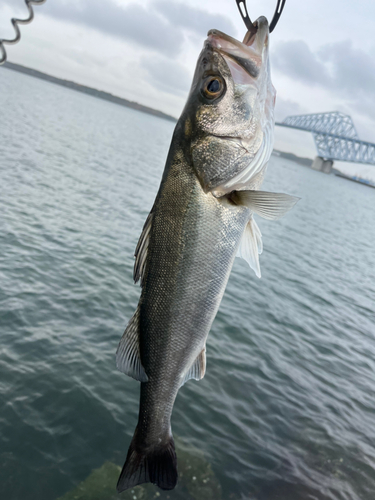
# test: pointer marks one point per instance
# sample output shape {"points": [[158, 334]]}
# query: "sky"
{"points": [[322, 52]]}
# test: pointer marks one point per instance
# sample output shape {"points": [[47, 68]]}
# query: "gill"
{"points": [[16, 22]]}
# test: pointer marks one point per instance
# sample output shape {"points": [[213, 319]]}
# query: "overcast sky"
{"points": [[322, 52]]}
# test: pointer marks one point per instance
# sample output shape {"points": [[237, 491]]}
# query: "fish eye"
{"points": [[213, 87]]}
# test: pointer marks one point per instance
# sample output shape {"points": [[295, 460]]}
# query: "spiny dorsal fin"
{"points": [[251, 246], [270, 206], [141, 250], [197, 369], [128, 358]]}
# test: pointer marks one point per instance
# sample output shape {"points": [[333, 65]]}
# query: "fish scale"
{"points": [[197, 225]]}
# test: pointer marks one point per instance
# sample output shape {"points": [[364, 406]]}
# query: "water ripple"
{"points": [[286, 409]]}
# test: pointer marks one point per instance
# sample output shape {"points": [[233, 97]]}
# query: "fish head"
{"points": [[229, 112]]}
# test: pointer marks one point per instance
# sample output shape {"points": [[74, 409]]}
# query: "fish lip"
{"points": [[260, 36], [221, 34], [248, 41], [247, 54], [246, 64]]}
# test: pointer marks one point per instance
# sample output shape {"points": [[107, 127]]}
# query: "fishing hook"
{"points": [[241, 4], [15, 22]]}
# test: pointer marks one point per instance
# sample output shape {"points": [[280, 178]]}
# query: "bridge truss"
{"points": [[335, 136]]}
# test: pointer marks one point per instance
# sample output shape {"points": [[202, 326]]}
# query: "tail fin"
{"points": [[157, 466]]}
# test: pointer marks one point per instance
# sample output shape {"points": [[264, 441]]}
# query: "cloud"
{"points": [[346, 72], [286, 107], [166, 75], [296, 60], [353, 75], [157, 26], [133, 22], [193, 19], [352, 69]]}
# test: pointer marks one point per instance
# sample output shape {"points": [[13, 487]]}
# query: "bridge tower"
{"points": [[335, 138]]}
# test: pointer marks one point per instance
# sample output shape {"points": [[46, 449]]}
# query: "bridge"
{"points": [[335, 138]]}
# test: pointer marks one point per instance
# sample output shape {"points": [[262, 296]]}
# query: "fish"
{"points": [[202, 217]]}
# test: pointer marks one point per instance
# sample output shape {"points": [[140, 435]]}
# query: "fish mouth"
{"points": [[243, 58]]}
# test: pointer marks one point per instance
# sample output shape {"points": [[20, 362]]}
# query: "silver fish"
{"points": [[201, 218]]}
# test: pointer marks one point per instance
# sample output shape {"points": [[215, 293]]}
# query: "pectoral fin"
{"points": [[197, 369], [251, 246], [128, 357], [270, 206]]}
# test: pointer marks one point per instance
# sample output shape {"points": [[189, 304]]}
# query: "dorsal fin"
{"points": [[140, 253], [128, 357]]}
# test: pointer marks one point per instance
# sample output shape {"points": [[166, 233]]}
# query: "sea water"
{"points": [[286, 410]]}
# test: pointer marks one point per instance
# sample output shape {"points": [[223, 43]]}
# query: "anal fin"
{"points": [[128, 358], [140, 253], [197, 369]]}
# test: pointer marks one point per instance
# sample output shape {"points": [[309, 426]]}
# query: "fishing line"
{"points": [[15, 22]]}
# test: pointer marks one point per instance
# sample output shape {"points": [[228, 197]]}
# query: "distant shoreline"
{"points": [[355, 179], [89, 90], [290, 156]]}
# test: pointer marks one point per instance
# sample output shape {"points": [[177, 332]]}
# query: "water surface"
{"points": [[286, 410]]}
